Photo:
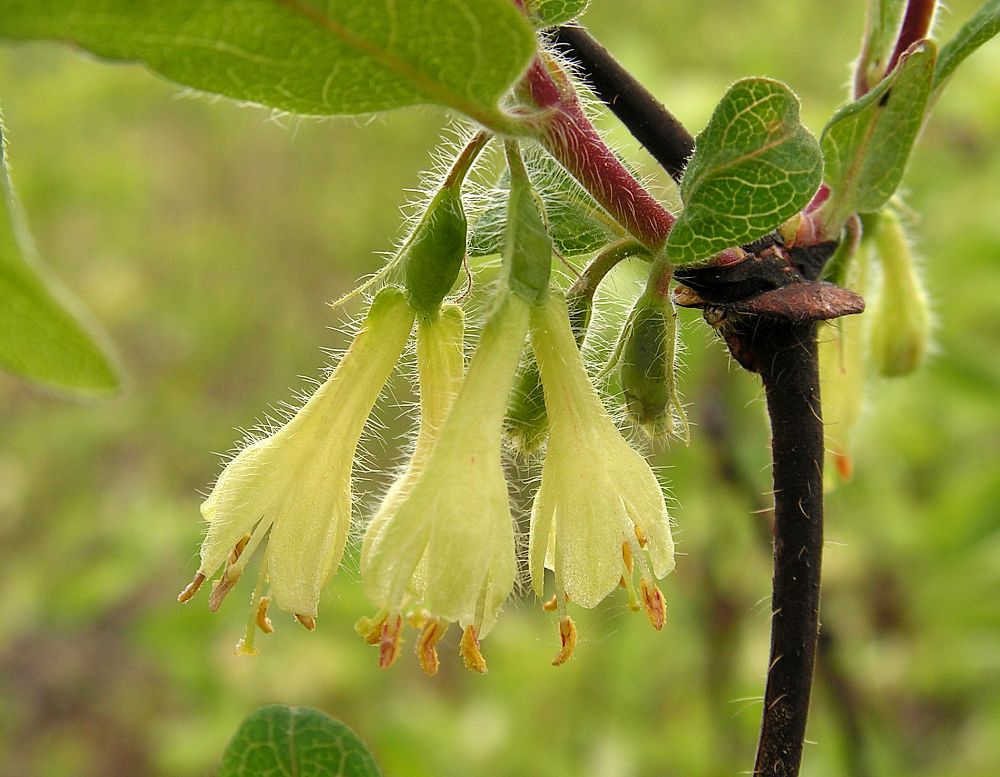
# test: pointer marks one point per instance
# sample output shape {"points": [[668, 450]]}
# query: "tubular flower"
{"points": [[293, 488], [599, 513], [442, 544]]}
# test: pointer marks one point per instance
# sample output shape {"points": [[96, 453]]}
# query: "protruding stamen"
{"points": [[222, 586], [567, 635], [427, 654], [263, 622], [191, 589], [640, 536], [237, 551], [552, 604], [308, 621], [469, 650], [390, 641], [370, 629], [654, 604], [627, 559]]}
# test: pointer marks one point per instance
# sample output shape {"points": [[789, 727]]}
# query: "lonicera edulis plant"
{"points": [[495, 290]]}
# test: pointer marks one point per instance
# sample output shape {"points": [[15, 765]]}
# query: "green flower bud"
{"points": [[434, 253], [648, 367], [292, 489], [527, 250], [901, 321]]}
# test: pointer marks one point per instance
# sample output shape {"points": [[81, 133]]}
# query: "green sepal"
{"points": [[527, 250], [648, 367], [433, 255]]}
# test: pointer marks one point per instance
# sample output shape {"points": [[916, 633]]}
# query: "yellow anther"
{"points": [[237, 551], [567, 635], [427, 654], [627, 555], [390, 641], [654, 604], [263, 622], [222, 586], [551, 605], [469, 650], [191, 588], [306, 620], [640, 536]]}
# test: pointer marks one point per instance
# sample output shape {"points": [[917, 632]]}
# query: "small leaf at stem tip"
{"points": [[304, 56], [754, 167], [866, 144]]}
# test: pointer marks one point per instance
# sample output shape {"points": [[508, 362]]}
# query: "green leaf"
{"points": [[40, 339], [549, 13], [974, 33], [304, 56], [754, 167], [866, 144], [577, 224], [281, 741]]}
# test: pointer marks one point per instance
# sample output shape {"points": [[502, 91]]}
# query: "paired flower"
{"points": [[600, 513], [293, 488], [442, 544]]}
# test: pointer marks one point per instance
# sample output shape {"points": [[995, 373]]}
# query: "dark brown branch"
{"points": [[916, 24], [650, 123], [773, 332]]}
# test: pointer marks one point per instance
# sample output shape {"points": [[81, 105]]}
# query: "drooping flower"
{"points": [[600, 513], [442, 545], [292, 489]]}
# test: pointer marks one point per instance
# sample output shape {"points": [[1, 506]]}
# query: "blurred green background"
{"points": [[207, 238]]}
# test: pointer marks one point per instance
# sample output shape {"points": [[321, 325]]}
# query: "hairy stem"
{"points": [[574, 141], [658, 130]]}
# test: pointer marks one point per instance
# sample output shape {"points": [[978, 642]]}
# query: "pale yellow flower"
{"points": [[442, 546], [600, 513], [292, 490]]}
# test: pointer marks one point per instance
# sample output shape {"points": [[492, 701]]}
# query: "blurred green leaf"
{"points": [[550, 13], [282, 741], [866, 144], [754, 167], [984, 25], [577, 224], [40, 339], [304, 56]]}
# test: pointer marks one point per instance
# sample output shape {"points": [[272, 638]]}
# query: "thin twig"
{"points": [[658, 130]]}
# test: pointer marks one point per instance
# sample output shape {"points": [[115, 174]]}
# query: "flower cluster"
{"points": [[441, 547]]}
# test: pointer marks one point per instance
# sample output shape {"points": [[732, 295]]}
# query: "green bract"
{"points": [[433, 255], [293, 488], [648, 366]]}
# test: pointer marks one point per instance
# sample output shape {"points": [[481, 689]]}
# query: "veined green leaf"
{"points": [[984, 25], [577, 224], [304, 56], [296, 742], [549, 13], [754, 167], [866, 144], [39, 338]]}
